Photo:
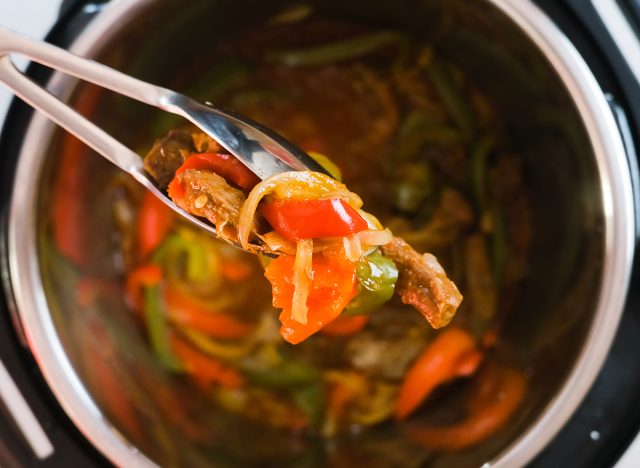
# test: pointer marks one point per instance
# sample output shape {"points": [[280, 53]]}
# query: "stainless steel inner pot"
{"points": [[558, 118]]}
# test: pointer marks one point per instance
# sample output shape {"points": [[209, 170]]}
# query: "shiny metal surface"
{"points": [[616, 205], [27, 282], [261, 150], [619, 220]]}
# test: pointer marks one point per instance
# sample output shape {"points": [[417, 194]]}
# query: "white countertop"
{"points": [[31, 17], [35, 18]]}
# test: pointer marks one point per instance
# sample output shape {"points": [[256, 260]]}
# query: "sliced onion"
{"points": [[302, 280], [295, 184], [352, 248], [375, 237], [328, 243], [277, 243], [372, 221]]}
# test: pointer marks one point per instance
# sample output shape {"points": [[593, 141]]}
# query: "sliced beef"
{"points": [[423, 284], [168, 154], [208, 195]]}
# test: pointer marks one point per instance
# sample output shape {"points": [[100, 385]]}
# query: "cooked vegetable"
{"points": [[204, 368], [311, 219], [105, 382], [377, 276], [186, 312], [412, 135], [414, 188], [290, 373], [445, 85], [332, 287], [292, 185], [444, 359], [302, 276], [497, 396], [478, 168], [337, 51], [187, 254], [143, 276], [157, 327], [89, 289], [345, 387], [419, 130], [154, 223], [345, 325]]}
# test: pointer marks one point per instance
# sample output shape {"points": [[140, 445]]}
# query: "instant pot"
{"points": [[589, 417]]}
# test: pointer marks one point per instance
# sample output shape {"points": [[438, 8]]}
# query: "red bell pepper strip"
{"points": [[154, 223], [143, 275], [310, 219], [452, 354], [225, 165], [345, 325], [203, 368], [99, 366], [89, 289], [493, 401], [184, 310], [69, 209], [236, 269], [332, 288]]}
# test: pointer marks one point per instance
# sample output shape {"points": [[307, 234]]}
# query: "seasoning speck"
{"points": [[201, 201]]}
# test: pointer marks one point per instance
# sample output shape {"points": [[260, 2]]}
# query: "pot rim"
{"points": [[618, 246]]}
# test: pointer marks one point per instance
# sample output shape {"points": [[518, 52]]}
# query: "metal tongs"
{"points": [[260, 149]]}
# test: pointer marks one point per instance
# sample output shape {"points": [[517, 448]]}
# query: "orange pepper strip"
{"points": [[203, 368], [154, 223], [185, 311], [143, 275], [469, 363], [490, 410], [332, 288], [445, 358], [345, 325]]}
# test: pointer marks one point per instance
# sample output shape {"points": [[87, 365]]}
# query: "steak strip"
{"points": [[423, 283]]}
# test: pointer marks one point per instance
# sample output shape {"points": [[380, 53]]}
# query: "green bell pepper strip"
{"points": [[416, 184], [154, 315], [479, 169], [302, 380], [420, 129], [337, 51], [377, 276], [452, 98], [311, 399], [288, 374], [499, 245], [196, 256]]}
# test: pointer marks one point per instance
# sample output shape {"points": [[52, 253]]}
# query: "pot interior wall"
{"points": [[543, 334]]}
